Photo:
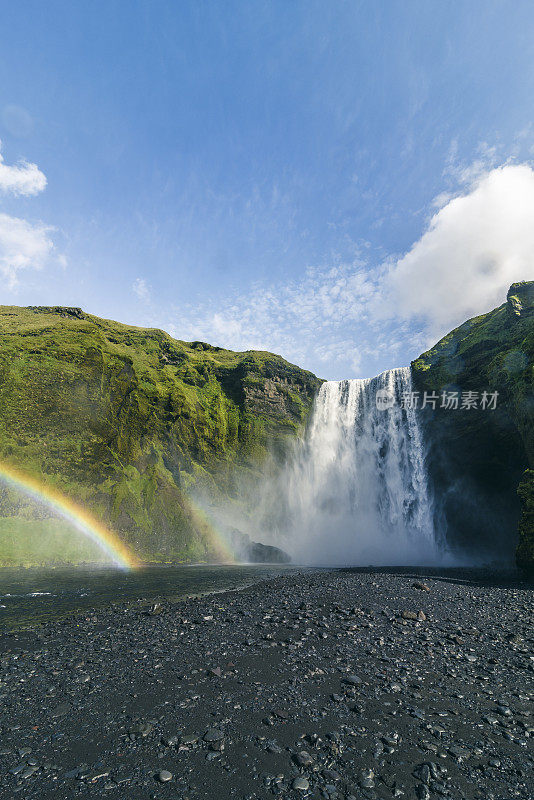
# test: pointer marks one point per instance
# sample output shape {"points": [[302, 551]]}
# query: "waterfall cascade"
{"points": [[356, 492]]}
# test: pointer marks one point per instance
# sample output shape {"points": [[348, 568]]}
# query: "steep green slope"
{"points": [[477, 457], [127, 419]]}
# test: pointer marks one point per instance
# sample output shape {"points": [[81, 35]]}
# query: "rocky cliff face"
{"points": [[478, 456], [127, 419]]}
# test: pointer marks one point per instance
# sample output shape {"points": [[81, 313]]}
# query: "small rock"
{"points": [[459, 752], [366, 779], [189, 738], [303, 759], [213, 735], [281, 713], [28, 772], [140, 731], [61, 710]]}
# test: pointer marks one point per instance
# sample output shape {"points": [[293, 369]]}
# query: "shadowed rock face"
{"points": [[126, 420], [254, 552], [477, 458], [525, 549], [520, 298]]}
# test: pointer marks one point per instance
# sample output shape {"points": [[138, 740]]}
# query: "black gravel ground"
{"points": [[342, 684]]}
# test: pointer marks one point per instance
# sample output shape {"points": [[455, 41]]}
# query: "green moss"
{"points": [[26, 541], [485, 451], [127, 419]]}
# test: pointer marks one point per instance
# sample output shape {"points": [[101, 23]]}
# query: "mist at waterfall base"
{"points": [[355, 492]]}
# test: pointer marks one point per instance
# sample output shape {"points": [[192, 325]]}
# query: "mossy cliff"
{"points": [[478, 457], [127, 419]]}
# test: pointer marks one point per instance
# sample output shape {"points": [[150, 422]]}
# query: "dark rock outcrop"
{"points": [[525, 549], [478, 456], [254, 552]]}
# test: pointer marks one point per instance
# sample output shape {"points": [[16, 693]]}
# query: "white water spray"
{"points": [[356, 492]]}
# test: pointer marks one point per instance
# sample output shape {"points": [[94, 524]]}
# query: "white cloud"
{"points": [[475, 246], [22, 179], [344, 319], [22, 245], [141, 289], [314, 322]]}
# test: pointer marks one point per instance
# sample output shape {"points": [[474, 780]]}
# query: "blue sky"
{"points": [[340, 182]]}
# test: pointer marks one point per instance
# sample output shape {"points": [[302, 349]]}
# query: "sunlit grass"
{"points": [[44, 541]]}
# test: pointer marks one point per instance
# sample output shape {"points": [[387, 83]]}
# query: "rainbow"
{"points": [[78, 517], [219, 545]]}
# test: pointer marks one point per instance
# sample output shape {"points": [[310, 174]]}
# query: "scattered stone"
{"points": [[366, 779], [60, 710], [303, 759], [414, 615], [140, 731], [504, 711], [213, 735], [456, 691], [28, 772], [422, 792], [281, 713]]}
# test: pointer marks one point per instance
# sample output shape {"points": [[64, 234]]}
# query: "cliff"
{"points": [[127, 419], [478, 457]]}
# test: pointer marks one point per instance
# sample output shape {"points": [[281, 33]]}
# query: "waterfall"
{"points": [[356, 491]]}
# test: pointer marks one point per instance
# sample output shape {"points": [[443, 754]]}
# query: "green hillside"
{"points": [[127, 419], [132, 423]]}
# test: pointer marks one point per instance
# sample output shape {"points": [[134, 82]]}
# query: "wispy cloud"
{"points": [[315, 321], [141, 289], [22, 179], [339, 318], [23, 244]]}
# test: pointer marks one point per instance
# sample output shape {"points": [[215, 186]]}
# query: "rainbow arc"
{"points": [[107, 541]]}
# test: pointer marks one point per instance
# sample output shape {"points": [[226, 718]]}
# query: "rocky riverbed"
{"points": [[339, 684]]}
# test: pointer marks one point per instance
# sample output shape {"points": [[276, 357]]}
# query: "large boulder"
{"points": [[254, 552]]}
